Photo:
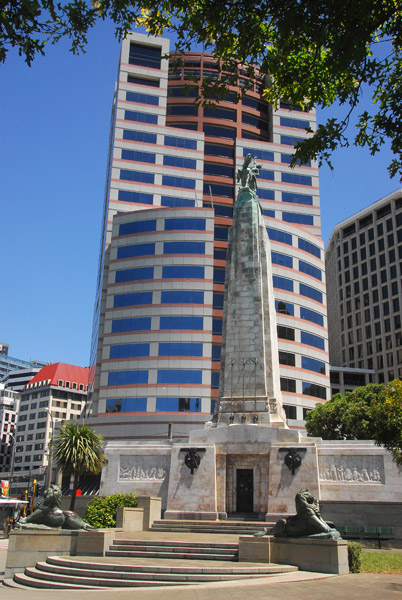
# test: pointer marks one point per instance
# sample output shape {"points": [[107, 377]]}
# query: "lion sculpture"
{"points": [[48, 513], [307, 522]]}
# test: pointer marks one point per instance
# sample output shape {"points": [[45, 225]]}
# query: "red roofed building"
{"points": [[57, 393]]}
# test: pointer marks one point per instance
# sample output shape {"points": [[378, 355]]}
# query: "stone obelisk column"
{"points": [[249, 380]]}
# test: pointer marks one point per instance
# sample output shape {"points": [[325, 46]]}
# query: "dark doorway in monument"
{"points": [[244, 490]]}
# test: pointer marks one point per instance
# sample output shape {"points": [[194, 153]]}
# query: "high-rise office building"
{"points": [[171, 184], [364, 268]]}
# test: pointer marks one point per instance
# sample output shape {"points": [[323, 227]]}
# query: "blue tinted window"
{"points": [[219, 275], [266, 194], [312, 389], [312, 340], [264, 174], [287, 158], [182, 109], [139, 176], [295, 178], [183, 272], [129, 350], [218, 131], [279, 236], [127, 378], [133, 299], [137, 227], [282, 259], [218, 170], [179, 376], [215, 376], [182, 297], [179, 182], [134, 274], [217, 150], [295, 123], [179, 349], [289, 140], [139, 197], [184, 248], [145, 56], [216, 352], [217, 300], [221, 210], [221, 233], [220, 113], [297, 198], [284, 308], [310, 270], [309, 247], [139, 136], [123, 405], [147, 157], [135, 250], [219, 254], [178, 142], [185, 223], [309, 292], [282, 283], [178, 404], [268, 213], [259, 154], [140, 117], [299, 218], [182, 323], [134, 324], [179, 161], [172, 201], [253, 121], [142, 98], [311, 364], [219, 189], [311, 315], [217, 326], [142, 80]]}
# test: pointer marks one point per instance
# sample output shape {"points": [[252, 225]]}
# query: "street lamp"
{"points": [[48, 479]]}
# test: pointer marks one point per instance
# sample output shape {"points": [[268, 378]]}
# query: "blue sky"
{"points": [[54, 124]]}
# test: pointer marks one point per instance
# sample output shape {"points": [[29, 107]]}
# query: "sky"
{"points": [[54, 134]]}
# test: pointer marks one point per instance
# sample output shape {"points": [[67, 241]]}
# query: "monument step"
{"points": [[176, 549], [176, 544], [234, 530], [172, 554], [137, 575], [63, 573]]}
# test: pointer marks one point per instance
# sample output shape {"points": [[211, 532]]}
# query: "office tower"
{"points": [[171, 183], [363, 264]]}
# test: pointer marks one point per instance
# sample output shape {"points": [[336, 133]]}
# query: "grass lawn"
{"points": [[378, 562]]}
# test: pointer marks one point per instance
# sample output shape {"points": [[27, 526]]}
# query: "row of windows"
{"points": [[114, 405], [167, 297], [164, 349], [180, 323], [148, 249], [142, 98], [288, 333], [151, 138], [308, 389]]}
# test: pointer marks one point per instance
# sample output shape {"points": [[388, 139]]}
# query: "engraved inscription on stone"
{"points": [[352, 469], [143, 468]]}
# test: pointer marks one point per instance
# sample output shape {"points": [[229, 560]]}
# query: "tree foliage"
{"points": [[370, 412], [78, 449], [101, 512], [317, 52]]}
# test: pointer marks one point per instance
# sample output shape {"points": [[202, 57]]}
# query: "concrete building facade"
{"points": [[171, 185], [364, 269], [9, 401]]}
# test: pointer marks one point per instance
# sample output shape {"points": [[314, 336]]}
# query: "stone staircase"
{"points": [[145, 563], [215, 527]]}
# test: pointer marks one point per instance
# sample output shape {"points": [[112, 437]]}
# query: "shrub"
{"points": [[355, 557], [101, 512]]}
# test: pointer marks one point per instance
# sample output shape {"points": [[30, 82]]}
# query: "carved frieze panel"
{"points": [[143, 468], [352, 469]]}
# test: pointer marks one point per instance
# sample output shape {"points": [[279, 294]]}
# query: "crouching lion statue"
{"points": [[48, 513], [307, 522]]}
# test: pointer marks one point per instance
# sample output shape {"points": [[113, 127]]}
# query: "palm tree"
{"points": [[78, 449]]}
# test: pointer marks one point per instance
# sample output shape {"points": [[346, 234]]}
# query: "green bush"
{"points": [[355, 557], [101, 512]]}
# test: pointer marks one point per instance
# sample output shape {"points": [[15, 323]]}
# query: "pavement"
{"points": [[301, 585]]}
